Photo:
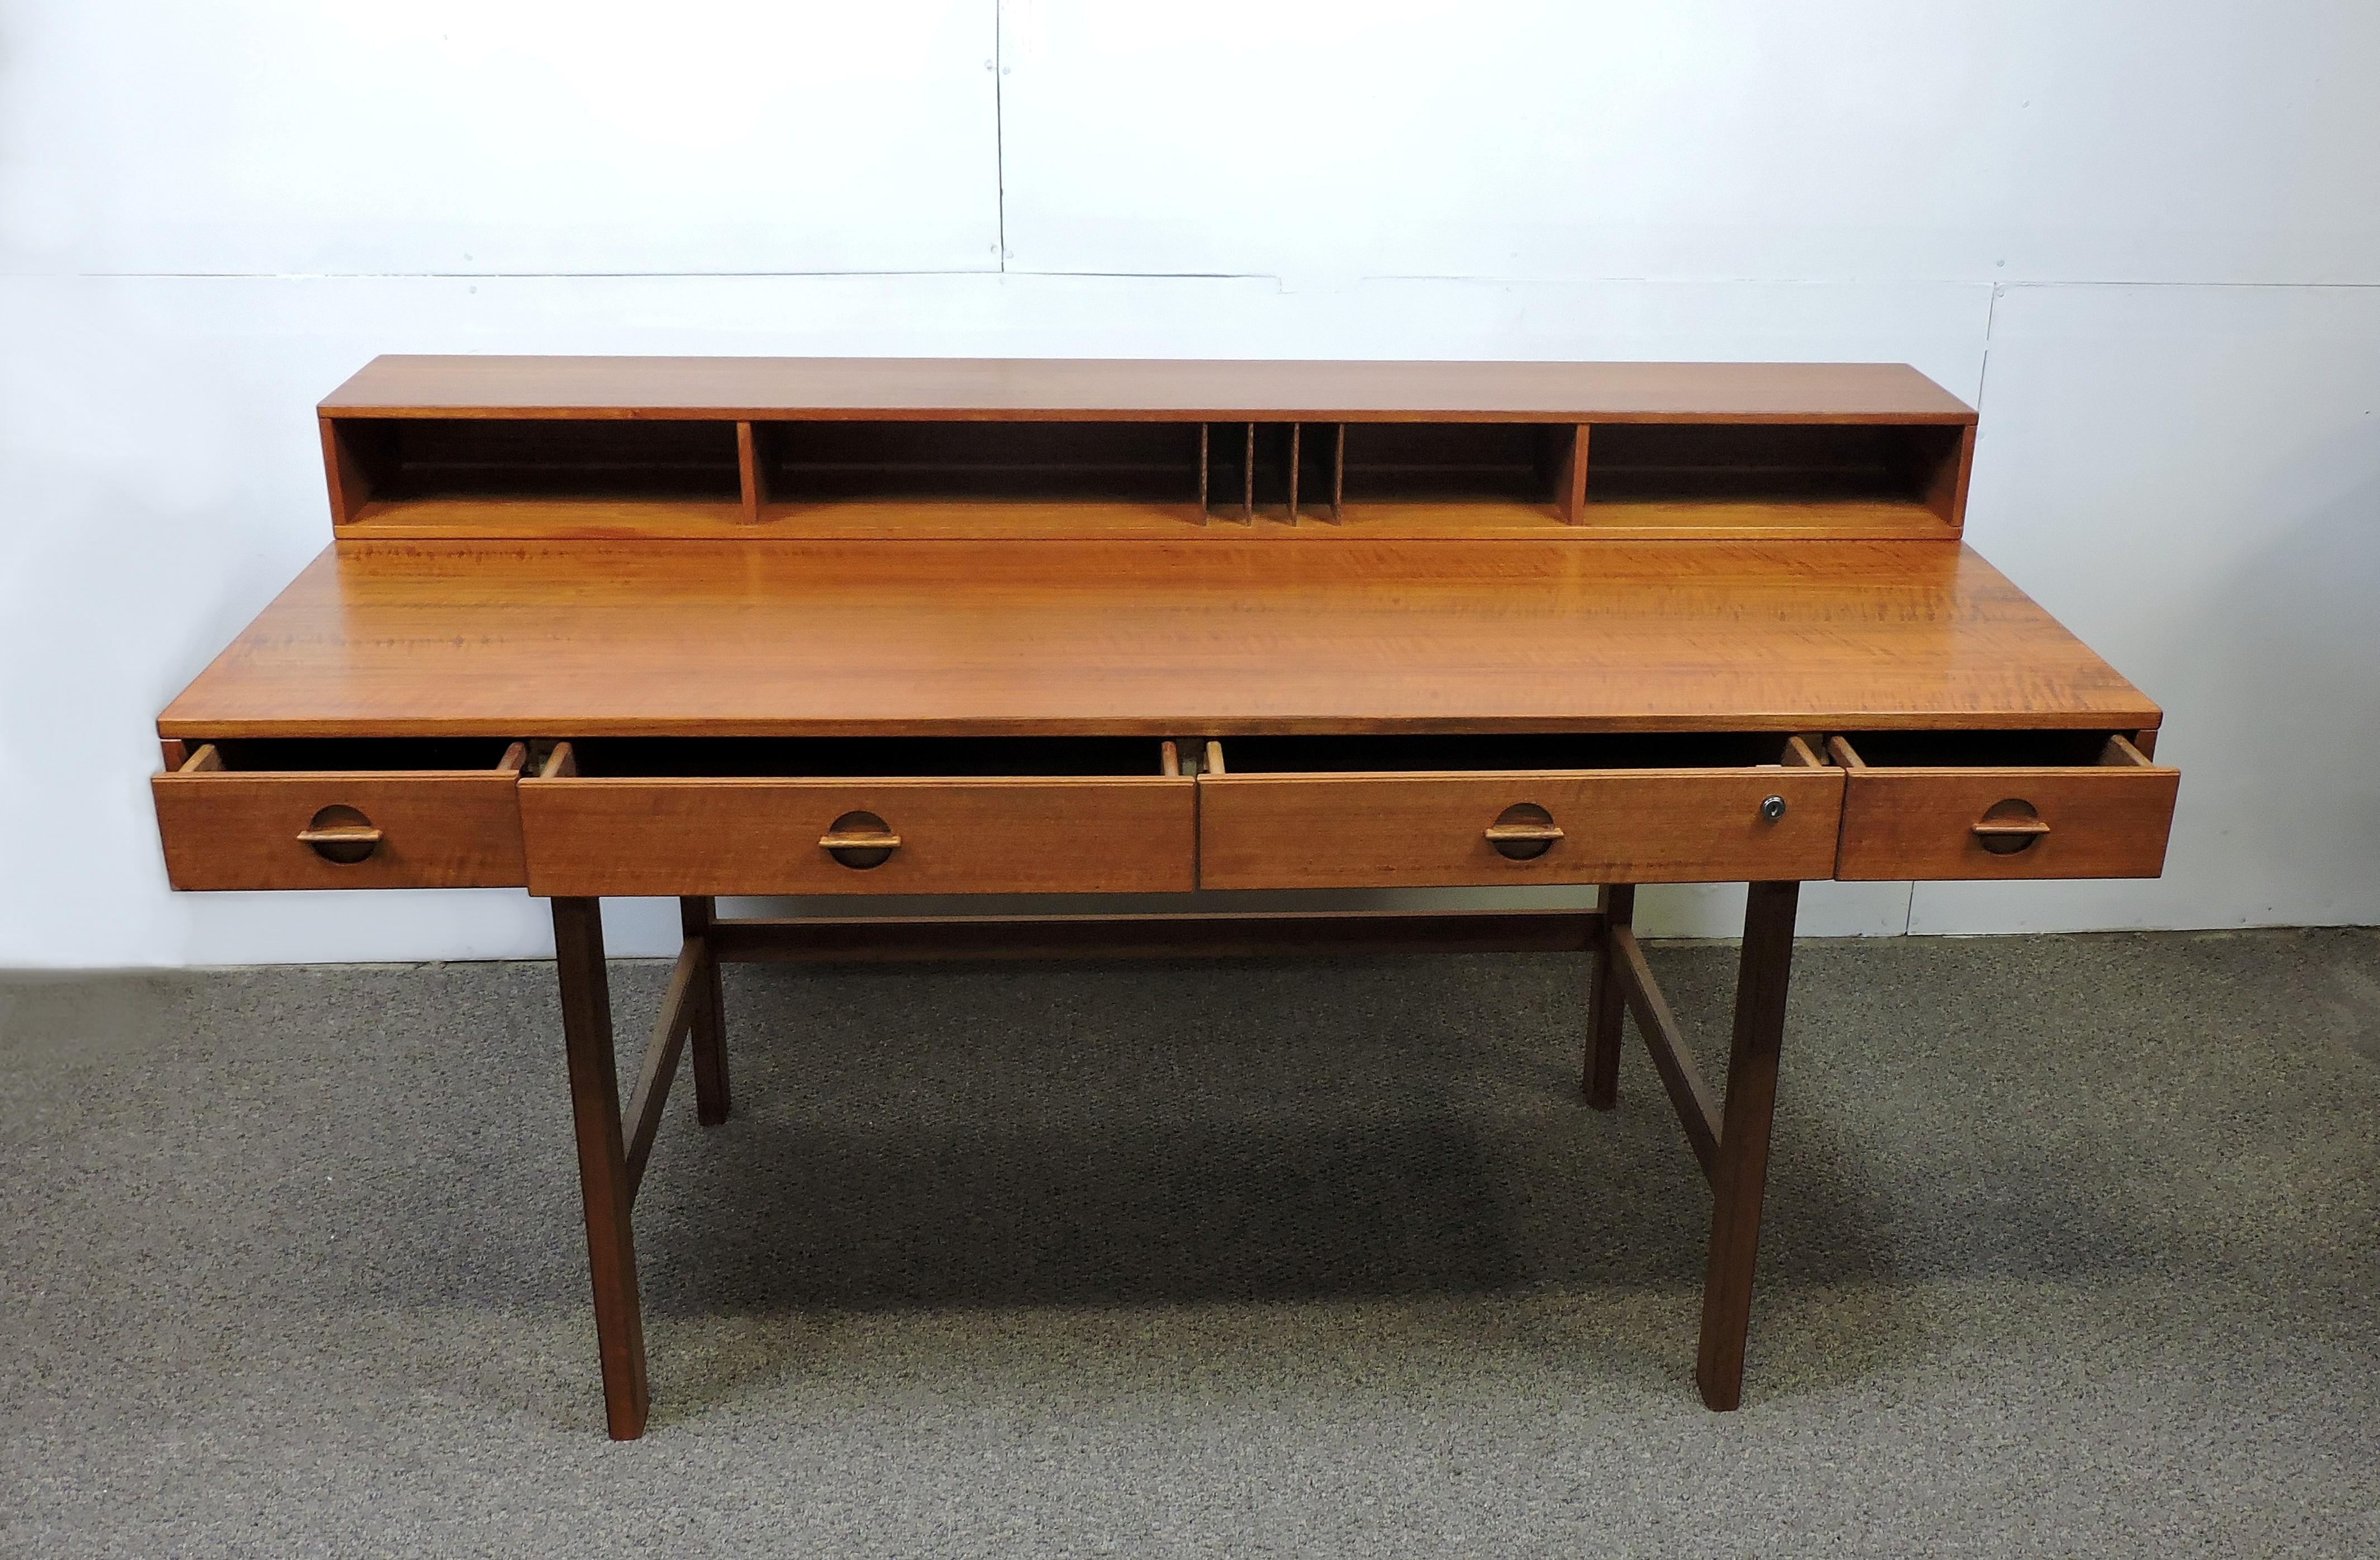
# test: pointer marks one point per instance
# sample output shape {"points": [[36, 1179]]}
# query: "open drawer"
{"points": [[317, 813], [1456, 810], [2002, 804], [860, 815]]}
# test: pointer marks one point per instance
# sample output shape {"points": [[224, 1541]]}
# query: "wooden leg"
{"points": [[1739, 1173], [603, 1180], [1606, 1001], [709, 1039]]}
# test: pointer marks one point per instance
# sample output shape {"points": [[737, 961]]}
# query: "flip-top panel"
{"points": [[588, 639]]}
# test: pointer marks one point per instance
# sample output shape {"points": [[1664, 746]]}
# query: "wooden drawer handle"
{"points": [[340, 835], [856, 842], [859, 840], [344, 834], [2009, 827], [1523, 833], [1547, 832]]}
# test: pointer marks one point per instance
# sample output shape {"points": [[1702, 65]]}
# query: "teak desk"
{"points": [[697, 627]]}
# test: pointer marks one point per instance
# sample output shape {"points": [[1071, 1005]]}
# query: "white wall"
{"points": [[2144, 237]]}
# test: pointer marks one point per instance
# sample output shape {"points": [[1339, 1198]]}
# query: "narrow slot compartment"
{"points": [[482, 475], [1276, 469], [1321, 465], [979, 476], [1251, 470], [1229, 489], [1455, 472], [1848, 478]]}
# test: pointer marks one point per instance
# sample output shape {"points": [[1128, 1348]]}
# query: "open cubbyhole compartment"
{"points": [[1852, 479], [917, 477], [470, 474], [1463, 474], [1321, 467], [632, 473]]}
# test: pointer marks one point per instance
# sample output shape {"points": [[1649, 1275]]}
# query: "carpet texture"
{"points": [[2073, 1248]]}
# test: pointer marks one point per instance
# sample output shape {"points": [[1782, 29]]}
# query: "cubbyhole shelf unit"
{"points": [[744, 448]]}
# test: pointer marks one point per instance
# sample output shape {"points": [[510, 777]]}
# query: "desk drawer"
{"points": [[1408, 813], [804, 816], [2012, 804], [335, 814]]}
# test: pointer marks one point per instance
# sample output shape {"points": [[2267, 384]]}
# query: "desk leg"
{"points": [[1605, 1001], [603, 1180], [1740, 1171], [709, 1038]]}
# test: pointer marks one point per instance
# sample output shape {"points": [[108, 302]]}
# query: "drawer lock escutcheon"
{"points": [[1524, 832], [2011, 826], [341, 835], [1772, 808], [859, 840]]}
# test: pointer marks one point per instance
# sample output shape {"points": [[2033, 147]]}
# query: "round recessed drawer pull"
{"points": [[859, 840], [2011, 826], [1523, 833], [1772, 808], [341, 835]]}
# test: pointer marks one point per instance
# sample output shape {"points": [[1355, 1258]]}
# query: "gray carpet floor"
{"points": [[2073, 1248]]}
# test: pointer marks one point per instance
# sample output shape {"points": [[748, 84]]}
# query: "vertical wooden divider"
{"points": [[1569, 491], [348, 485], [1295, 430], [1338, 477], [1248, 481], [1946, 494], [1206, 459], [747, 466]]}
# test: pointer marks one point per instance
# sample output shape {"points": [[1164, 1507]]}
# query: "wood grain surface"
{"points": [[1215, 390], [1414, 831], [451, 829], [669, 638], [2103, 822], [738, 835], [1059, 519]]}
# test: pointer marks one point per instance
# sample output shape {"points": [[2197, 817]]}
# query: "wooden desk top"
{"points": [[781, 637]]}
